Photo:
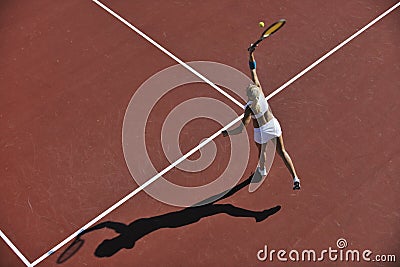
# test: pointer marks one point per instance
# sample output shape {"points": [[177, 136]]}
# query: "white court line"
{"points": [[167, 52], [15, 249], [137, 190], [334, 49]]}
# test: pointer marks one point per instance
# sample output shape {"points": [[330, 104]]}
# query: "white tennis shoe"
{"points": [[263, 171], [296, 183]]}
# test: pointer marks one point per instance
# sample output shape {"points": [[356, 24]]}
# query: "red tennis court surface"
{"points": [[69, 70]]}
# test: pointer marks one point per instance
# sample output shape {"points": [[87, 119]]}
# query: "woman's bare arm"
{"points": [[245, 121], [253, 71]]}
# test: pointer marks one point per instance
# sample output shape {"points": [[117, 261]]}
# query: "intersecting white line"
{"points": [[292, 80], [111, 12], [15, 249], [140, 188]]}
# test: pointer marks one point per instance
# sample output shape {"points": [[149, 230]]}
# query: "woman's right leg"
{"points": [[280, 149]]}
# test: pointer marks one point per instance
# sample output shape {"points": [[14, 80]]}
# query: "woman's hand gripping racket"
{"points": [[268, 32]]}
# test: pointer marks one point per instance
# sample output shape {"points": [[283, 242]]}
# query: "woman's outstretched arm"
{"points": [[252, 65], [116, 226]]}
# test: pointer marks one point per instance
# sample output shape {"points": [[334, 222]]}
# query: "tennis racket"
{"points": [[71, 250], [268, 32]]}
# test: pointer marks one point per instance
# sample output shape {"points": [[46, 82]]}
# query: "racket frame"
{"points": [[263, 35]]}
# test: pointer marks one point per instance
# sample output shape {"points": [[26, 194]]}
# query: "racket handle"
{"points": [[254, 45]]}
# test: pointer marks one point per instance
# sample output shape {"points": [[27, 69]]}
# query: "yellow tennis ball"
{"points": [[261, 24]]}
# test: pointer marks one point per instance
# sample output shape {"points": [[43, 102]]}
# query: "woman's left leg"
{"points": [[262, 156]]}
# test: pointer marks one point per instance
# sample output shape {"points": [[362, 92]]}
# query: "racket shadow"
{"points": [[71, 250], [129, 234]]}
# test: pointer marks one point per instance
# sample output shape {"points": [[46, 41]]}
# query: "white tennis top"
{"points": [[263, 105]]}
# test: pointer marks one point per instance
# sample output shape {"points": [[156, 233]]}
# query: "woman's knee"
{"points": [[281, 152], [264, 155]]}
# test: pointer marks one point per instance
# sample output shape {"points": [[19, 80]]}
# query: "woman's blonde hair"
{"points": [[254, 92]]}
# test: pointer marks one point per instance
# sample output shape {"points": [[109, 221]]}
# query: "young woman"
{"points": [[266, 126]]}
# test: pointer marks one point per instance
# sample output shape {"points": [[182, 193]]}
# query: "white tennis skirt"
{"points": [[268, 131]]}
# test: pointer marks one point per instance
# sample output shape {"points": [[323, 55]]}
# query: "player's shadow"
{"points": [[129, 234]]}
